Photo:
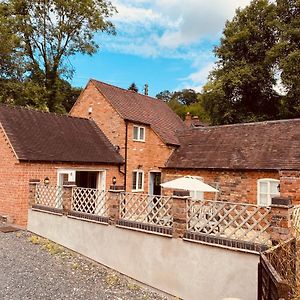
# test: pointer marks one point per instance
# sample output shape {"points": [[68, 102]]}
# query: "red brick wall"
{"points": [[151, 154], [105, 116], [239, 186], [290, 185], [14, 179]]}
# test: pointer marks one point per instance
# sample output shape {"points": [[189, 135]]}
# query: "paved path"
{"points": [[34, 268]]}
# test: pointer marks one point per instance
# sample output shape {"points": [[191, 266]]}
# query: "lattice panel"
{"points": [[235, 221], [283, 260], [47, 195], [296, 217], [147, 209], [91, 201]]}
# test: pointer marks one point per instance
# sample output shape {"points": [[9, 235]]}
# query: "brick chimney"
{"points": [[188, 119]]}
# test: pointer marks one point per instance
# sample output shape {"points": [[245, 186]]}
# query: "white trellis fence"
{"points": [[89, 201], [143, 208], [296, 217], [49, 196], [235, 221]]}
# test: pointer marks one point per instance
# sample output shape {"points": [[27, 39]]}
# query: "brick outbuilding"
{"points": [[247, 162], [48, 146]]}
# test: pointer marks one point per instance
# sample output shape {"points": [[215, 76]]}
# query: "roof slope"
{"points": [[139, 108], [40, 136], [263, 145]]}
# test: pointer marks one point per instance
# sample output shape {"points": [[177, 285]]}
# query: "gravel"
{"points": [[35, 268]]}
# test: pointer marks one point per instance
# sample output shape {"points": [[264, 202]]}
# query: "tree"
{"points": [[241, 87], [259, 51], [165, 96], [286, 54], [184, 101], [186, 96], [133, 88], [49, 32]]}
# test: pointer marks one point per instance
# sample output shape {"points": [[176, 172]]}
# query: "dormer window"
{"points": [[139, 133]]}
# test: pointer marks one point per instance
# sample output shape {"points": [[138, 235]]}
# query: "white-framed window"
{"points": [[139, 133], [267, 188], [137, 181]]}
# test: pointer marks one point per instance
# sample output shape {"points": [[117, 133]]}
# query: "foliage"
{"points": [[184, 101], [43, 35], [133, 88], [260, 44], [287, 54]]}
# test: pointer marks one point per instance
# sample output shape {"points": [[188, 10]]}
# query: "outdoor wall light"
{"points": [[46, 180], [114, 180]]}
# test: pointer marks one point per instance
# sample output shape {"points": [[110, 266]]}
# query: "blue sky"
{"points": [[165, 43]]}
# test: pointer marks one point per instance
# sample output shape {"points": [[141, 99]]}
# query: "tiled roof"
{"points": [[40, 136], [254, 146], [139, 108]]}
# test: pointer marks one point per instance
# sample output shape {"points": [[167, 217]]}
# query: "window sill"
{"points": [[140, 141], [137, 191]]}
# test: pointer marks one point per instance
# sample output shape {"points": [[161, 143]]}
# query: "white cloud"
{"points": [[199, 78], [172, 29], [198, 19]]}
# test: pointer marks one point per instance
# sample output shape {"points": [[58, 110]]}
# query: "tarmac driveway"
{"points": [[35, 268]]}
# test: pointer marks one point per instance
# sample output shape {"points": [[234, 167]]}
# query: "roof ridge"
{"points": [[246, 124], [19, 107], [146, 96], [126, 90]]}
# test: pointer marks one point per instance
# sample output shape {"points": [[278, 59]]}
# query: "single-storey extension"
{"points": [[52, 148]]}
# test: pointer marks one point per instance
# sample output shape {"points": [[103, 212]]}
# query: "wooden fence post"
{"points": [[281, 228], [67, 196], [32, 191]]}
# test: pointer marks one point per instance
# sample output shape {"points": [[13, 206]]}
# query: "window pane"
{"points": [[135, 133], [273, 187], [134, 174], [142, 133], [264, 187], [140, 183], [263, 199]]}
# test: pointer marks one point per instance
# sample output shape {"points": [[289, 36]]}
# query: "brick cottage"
{"points": [[50, 147], [143, 128], [247, 162]]}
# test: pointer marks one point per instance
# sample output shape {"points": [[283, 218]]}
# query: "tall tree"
{"points": [[49, 32], [165, 96], [241, 87], [186, 96], [286, 54], [186, 100], [133, 88]]}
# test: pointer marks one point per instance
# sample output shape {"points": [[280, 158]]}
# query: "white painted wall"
{"points": [[188, 270]]}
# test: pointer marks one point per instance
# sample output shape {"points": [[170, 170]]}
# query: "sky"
{"points": [[167, 44]]}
